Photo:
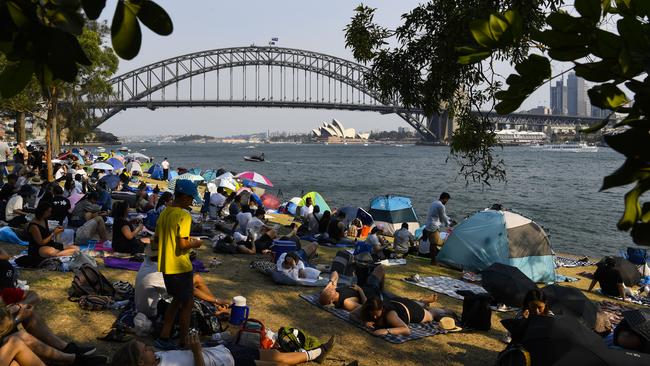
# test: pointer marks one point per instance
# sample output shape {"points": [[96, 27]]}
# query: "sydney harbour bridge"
{"points": [[275, 77]]}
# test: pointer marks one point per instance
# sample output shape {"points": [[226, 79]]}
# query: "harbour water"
{"points": [[557, 189]]}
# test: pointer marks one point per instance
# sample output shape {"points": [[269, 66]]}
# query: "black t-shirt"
{"points": [[608, 278], [345, 293], [335, 230], [6, 191], [60, 207], [118, 237]]}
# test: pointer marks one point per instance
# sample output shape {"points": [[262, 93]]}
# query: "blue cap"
{"points": [[186, 187]]}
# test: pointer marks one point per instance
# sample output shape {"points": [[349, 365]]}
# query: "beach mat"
{"points": [[572, 262], [417, 330], [614, 311], [635, 299], [446, 285], [131, 265]]}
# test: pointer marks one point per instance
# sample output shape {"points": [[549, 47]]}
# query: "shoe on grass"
{"points": [[325, 349], [76, 349]]}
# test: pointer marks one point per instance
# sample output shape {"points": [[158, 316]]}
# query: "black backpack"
{"points": [[477, 313], [343, 263], [89, 281]]}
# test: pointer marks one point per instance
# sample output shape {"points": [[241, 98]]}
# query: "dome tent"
{"points": [[492, 236], [156, 172], [389, 212]]}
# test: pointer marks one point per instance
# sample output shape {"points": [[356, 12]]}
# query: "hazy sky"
{"points": [[208, 24]]}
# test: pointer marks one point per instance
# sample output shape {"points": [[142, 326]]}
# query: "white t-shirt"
{"points": [[165, 164], [149, 286], [304, 211], [402, 240], [14, 203], [4, 152], [216, 201], [212, 356], [81, 172], [242, 220], [293, 272]]}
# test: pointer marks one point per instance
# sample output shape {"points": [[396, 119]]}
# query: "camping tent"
{"points": [[491, 236], [317, 200], [352, 213], [389, 212], [134, 168], [156, 172]]}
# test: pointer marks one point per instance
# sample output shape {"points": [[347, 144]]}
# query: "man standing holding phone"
{"points": [[172, 239]]}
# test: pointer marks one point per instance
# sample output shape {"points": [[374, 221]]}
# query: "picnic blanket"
{"points": [[572, 262], [446, 285], [614, 311], [131, 265], [417, 330], [8, 235], [635, 299], [392, 262]]}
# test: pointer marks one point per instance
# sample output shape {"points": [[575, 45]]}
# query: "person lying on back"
{"points": [[350, 298]]}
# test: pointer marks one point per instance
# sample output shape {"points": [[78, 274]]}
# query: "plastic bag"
{"points": [[142, 325]]}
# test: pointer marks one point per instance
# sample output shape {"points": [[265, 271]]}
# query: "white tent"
{"points": [[134, 168]]}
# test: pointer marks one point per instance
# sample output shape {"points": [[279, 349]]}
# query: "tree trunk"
{"points": [[19, 127], [49, 128], [56, 134]]}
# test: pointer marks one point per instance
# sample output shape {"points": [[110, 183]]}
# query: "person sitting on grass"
{"points": [[15, 210], [89, 218], [36, 335], [125, 231], [393, 316], [136, 353], [292, 265], [150, 288], [610, 280], [378, 244], [350, 298], [42, 242], [404, 241]]}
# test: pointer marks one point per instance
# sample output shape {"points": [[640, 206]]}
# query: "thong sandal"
{"points": [[115, 335]]}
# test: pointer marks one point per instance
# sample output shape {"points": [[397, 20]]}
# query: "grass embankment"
{"points": [[280, 306]]}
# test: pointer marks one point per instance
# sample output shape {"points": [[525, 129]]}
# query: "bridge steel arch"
{"points": [[134, 89]]}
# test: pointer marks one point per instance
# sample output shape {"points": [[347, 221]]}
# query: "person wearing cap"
{"points": [[173, 242], [14, 211]]}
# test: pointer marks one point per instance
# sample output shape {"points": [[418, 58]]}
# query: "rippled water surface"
{"points": [[557, 189]]}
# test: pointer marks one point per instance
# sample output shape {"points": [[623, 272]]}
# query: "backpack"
{"points": [[515, 355], [476, 311], [343, 263], [203, 318], [95, 302], [296, 340], [252, 334], [89, 281], [51, 264], [123, 290]]}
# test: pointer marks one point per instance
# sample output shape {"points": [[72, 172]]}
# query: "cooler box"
{"points": [[282, 246]]}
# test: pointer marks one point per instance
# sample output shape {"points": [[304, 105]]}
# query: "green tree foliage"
{"points": [[422, 71], [41, 38], [91, 83]]}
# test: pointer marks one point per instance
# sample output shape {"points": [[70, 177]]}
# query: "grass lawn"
{"points": [[280, 306]]}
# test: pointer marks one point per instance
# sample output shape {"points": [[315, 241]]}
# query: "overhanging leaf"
{"points": [[589, 9], [632, 211], [93, 8], [126, 36], [15, 77], [17, 14], [481, 32], [596, 127], [568, 54], [607, 96], [155, 18], [631, 171], [474, 57]]}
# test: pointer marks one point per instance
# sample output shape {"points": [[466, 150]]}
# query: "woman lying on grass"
{"points": [[393, 316]]}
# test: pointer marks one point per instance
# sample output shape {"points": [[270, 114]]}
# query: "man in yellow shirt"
{"points": [[173, 241]]}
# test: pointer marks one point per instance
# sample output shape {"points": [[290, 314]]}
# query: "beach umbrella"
{"points": [[102, 166], [629, 272], [116, 163], [138, 156], [224, 175], [569, 301], [191, 177], [227, 183], [270, 201], [254, 177], [506, 284], [111, 181], [243, 189]]}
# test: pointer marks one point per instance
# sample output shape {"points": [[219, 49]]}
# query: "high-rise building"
{"points": [[559, 98], [599, 113], [577, 98]]}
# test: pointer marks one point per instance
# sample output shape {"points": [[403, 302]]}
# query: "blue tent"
{"points": [[389, 212], [195, 171], [172, 175], [156, 172], [505, 237], [209, 175]]}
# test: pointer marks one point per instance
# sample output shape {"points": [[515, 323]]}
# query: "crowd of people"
{"points": [[166, 285]]}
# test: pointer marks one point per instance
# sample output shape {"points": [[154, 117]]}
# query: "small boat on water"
{"points": [[255, 158], [101, 149], [123, 148], [250, 147], [568, 147]]}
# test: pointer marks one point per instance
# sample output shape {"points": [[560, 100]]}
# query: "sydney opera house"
{"points": [[335, 132]]}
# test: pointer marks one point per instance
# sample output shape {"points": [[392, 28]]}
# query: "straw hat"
{"points": [[449, 324], [35, 181]]}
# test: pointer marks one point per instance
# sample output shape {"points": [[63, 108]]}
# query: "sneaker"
{"points": [[73, 348], [165, 344], [82, 360], [325, 349]]}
